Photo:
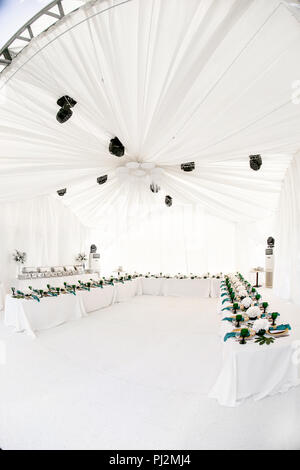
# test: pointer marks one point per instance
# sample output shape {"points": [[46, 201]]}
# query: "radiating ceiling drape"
{"points": [[176, 81]]}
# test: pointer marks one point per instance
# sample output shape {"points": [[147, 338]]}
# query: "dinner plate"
{"points": [[273, 332]]}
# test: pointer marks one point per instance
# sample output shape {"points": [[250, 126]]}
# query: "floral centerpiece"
{"points": [[81, 257], [261, 326], [20, 258]]}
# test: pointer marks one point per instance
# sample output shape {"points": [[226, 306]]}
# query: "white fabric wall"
{"points": [[178, 239], [287, 266], [44, 228], [251, 243]]}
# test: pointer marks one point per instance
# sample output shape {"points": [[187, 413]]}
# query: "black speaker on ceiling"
{"points": [[66, 101], [189, 166], [102, 179], [168, 201], [62, 192], [154, 187], [255, 162], [65, 112], [116, 147]]}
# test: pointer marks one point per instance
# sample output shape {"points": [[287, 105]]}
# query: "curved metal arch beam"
{"points": [[6, 56]]}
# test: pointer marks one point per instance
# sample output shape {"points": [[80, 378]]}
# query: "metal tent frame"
{"points": [[26, 32]]}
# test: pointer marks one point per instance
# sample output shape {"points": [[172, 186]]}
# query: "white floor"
{"points": [[134, 376]]}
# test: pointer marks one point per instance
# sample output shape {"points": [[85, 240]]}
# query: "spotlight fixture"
{"points": [[154, 187], [102, 179], [255, 162], [65, 112], [116, 147], [190, 166], [168, 201], [62, 192], [271, 242]]}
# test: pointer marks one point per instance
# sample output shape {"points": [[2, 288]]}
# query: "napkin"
{"points": [[282, 327], [227, 318], [229, 335]]}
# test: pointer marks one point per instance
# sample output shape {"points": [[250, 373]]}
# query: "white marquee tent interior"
{"points": [[176, 81]]}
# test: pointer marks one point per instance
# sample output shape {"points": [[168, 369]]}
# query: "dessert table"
{"points": [[31, 316]]}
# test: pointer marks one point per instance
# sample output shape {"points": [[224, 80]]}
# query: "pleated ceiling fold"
{"points": [[207, 81]]}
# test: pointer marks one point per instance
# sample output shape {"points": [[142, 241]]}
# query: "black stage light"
{"points": [[154, 187], [62, 192], [64, 115], [102, 179], [190, 166], [66, 103], [271, 242], [116, 147], [255, 162], [168, 201]]}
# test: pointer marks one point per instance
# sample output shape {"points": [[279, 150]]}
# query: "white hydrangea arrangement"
{"points": [[246, 302], [253, 312], [261, 324]]}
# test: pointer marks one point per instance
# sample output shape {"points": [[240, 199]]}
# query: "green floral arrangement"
{"points": [[244, 334], [264, 340], [235, 307]]}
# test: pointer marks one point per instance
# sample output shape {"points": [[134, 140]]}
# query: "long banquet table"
{"points": [[55, 281], [251, 370], [31, 316], [181, 287]]}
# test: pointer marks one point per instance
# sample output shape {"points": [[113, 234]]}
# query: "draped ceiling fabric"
{"points": [[207, 81]]}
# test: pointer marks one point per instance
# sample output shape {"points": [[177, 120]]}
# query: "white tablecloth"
{"points": [[32, 316], [215, 287], [255, 371], [57, 281], [152, 285], [127, 290], [97, 298], [186, 287], [251, 370]]}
